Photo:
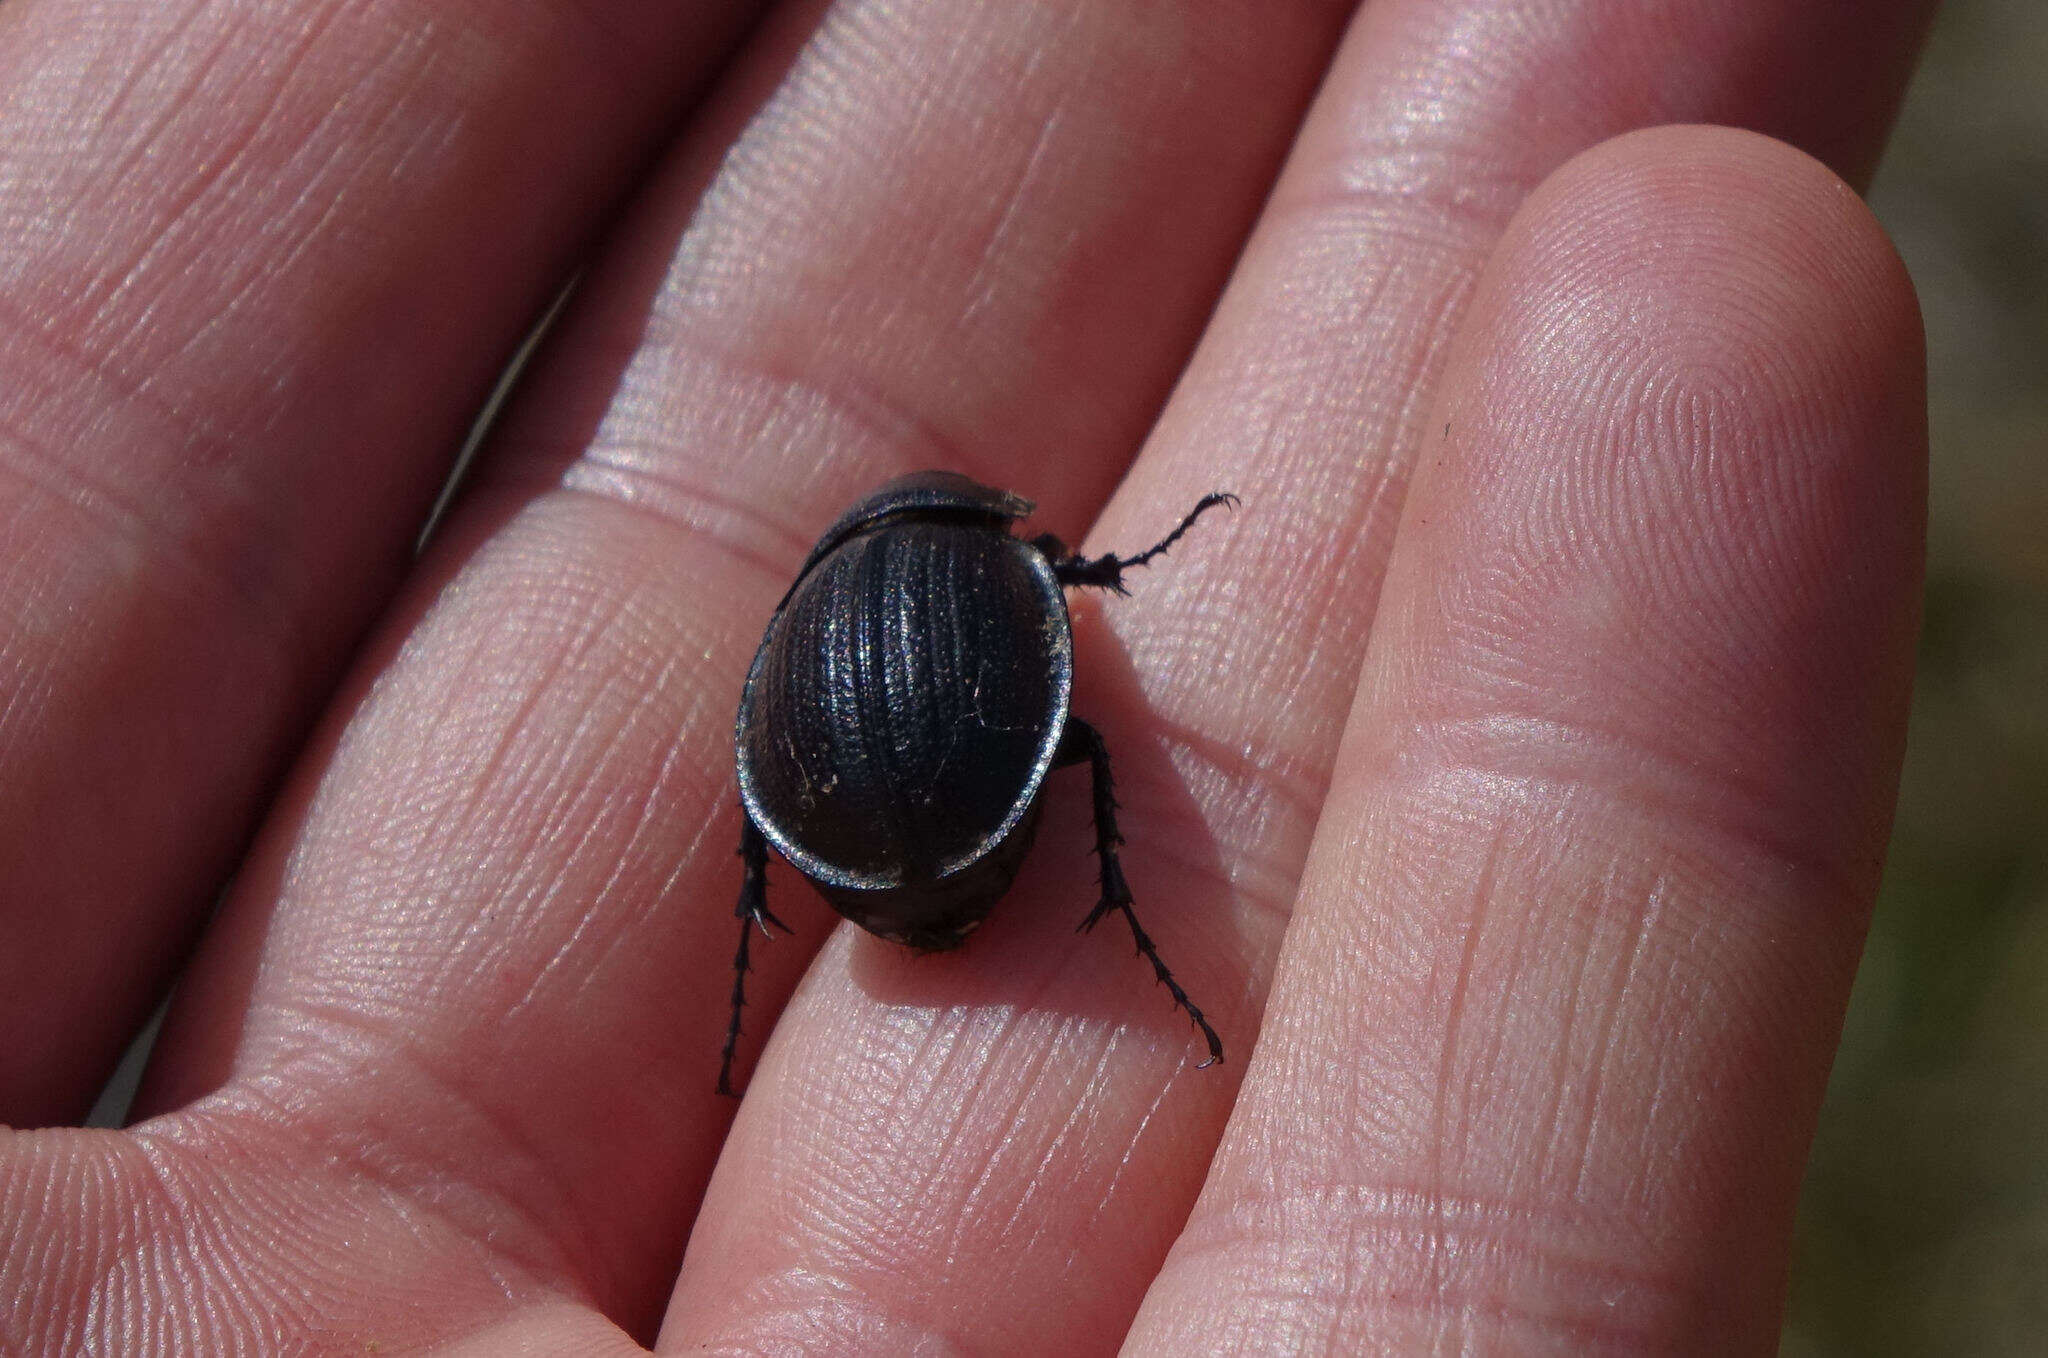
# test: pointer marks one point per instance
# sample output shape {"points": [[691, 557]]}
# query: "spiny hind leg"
{"points": [[752, 911], [1084, 742]]}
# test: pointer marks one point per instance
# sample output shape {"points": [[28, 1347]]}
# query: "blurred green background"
{"points": [[1924, 1226]]}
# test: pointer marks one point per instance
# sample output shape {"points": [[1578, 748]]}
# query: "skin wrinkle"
{"points": [[715, 532], [539, 891], [572, 786], [1340, 544], [855, 1324], [330, 219], [547, 1238], [1607, 1294], [644, 829], [785, 169], [983, 1205], [1495, 671], [1745, 869], [359, 880], [438, 1201], [879, 1250], [1439, 195], [293, 1260], [141, 524], [331, 210], [102, 298], [1687, 421], [529, 1000], [392, 54], [152, 60], [213, 187], [1128, 1164], [246, 1296], [459, 819], [202, 1239], [942, 1049], [572, 659], [1488, 1065], [1245, 778], [982, 282], [1185, 663], [845, 405], [1447, 1059], [1038, 1072], [946, 1078], [1162, 832], [1008, 355], [1556, 1118], [47, 617], [1348, 314], [982, 1209], [1006, 250], [153, 1185], [1617, 1001], [1252, 889]]}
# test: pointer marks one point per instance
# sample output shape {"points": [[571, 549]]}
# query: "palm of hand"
{"points": [[1529, 845]]}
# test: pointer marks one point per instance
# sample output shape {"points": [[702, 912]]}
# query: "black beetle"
{"points": [[907, 702]]}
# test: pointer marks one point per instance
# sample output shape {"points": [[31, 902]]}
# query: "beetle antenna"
{"points": [[1107, 572], [1202, 506], [752, 911], [1116, 892]]}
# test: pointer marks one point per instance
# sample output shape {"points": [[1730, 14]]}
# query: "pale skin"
{"points": [[1508, 779]]}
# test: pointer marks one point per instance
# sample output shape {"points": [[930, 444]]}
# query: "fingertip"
{"points": [[1721, 256], [1727, 211], [1687, 427]]}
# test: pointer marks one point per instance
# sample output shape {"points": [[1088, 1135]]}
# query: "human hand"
{"points": [[1531, 979]]}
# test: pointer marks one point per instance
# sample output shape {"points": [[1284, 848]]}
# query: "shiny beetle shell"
{"points": [[905, 706]]}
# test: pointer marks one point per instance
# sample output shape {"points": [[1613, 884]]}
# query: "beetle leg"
{"points": [[1082, 741], [752, 911], [753, 902], [1107, 572]]}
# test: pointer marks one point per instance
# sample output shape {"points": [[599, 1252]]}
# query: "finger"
{"points": [[260, 262], [1570, 955], [1018, 1119], [502, 936]]}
